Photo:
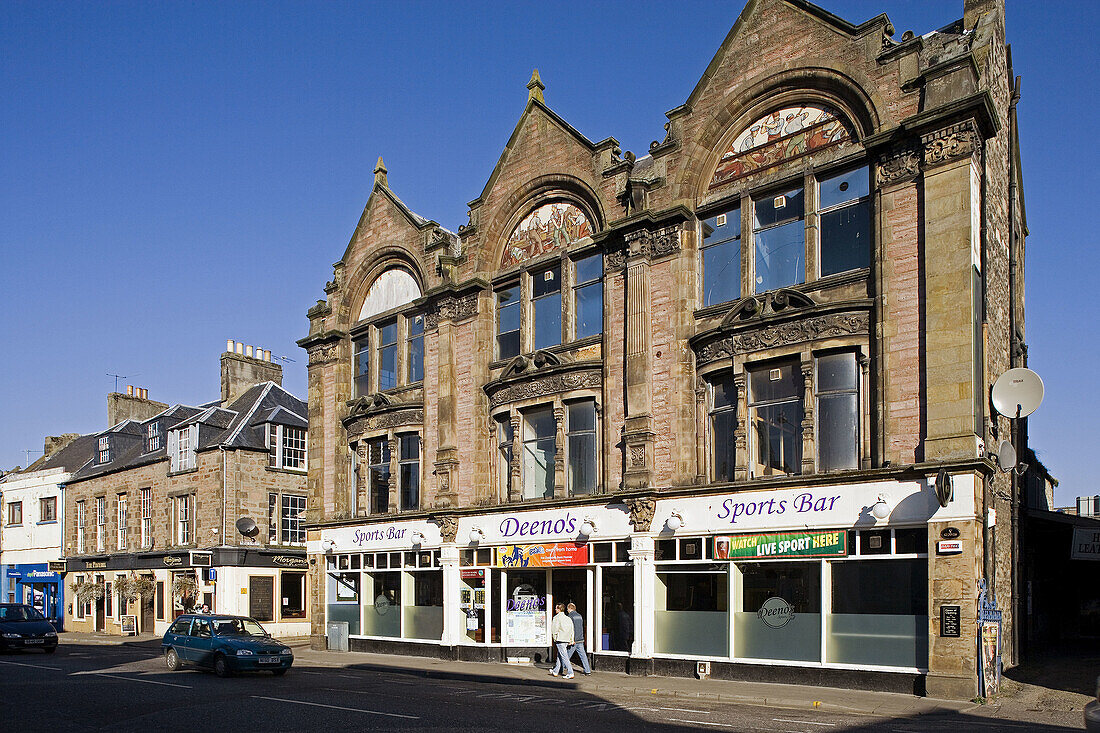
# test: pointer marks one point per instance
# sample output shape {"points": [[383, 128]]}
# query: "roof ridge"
{"points": [[252, 411]]}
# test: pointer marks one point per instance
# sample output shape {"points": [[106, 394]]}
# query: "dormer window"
{"points": [[286, 447], [181, 447], [103, 455], [152, 437]]}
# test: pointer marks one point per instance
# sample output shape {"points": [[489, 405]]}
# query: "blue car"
{"points": [[226, 644], [24, 627]]}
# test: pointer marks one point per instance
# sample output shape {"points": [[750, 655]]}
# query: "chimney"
{"points": [[243, 368], [54, 443], [134, 405]]}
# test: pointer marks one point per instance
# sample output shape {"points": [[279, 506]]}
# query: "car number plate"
{"points": [[269, 660], [34, 641]]}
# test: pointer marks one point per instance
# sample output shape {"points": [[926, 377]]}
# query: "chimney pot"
{"points": [[267, 355], [248, 351], [129, 390], [229, 343], [240, 348]]}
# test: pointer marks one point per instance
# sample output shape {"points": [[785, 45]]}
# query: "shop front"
{"points": [[39, 585], [828, 579], [147, 591]]}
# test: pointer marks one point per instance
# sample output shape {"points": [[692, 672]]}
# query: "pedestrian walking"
{"points": [[561, 631], [578, 637]]}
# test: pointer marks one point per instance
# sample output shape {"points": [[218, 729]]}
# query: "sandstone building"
{"points": [[153, 517], [730, 397]]}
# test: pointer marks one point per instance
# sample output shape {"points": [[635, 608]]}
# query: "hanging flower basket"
{"points": [[143, 585], [87, 591], [186, 590]]}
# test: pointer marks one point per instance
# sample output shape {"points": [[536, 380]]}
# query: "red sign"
{"points": [[465, 573], [550, 555]]}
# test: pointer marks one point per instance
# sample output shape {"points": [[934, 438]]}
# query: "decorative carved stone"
{"points": [[784, 334], [530, 364], [652, 244], [322, 354], [637, 455], [758, 306], [949, 144], [641, 513], [452, 309], [548, 385], [901, 164], [448, 526], [369, 403], [615, 260], [359, 424]]}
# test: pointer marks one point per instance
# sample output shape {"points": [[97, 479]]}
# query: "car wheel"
{"points": [[221, 666], [278, 672], [172, 659]]}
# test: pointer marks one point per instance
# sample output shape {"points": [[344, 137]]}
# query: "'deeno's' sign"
{"points": [[785, 544]]}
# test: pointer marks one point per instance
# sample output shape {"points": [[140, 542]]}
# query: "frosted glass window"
{"points": [[777, 588], [879, 613], [691, 613]]}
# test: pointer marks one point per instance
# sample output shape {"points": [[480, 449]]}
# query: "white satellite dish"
{"points": [[1017, 393], [1006, 456]]}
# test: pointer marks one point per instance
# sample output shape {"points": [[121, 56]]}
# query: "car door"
{"points": [[201, 642], [179, 637]]}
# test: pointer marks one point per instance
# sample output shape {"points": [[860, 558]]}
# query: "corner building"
{"points": [[706, 393]]}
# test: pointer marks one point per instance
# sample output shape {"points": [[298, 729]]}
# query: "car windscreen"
{"points": [[238, 627], [20, 613]]}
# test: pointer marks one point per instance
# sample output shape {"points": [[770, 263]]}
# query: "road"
{"points": [[128, 688]]}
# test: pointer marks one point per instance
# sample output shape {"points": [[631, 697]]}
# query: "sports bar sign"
{"points": [[833, 543]]}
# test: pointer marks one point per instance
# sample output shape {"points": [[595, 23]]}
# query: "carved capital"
{"points": [[951, 143], [641, 513], [900, 164], [548, 385], [451, 309], [448, 526], [322, 354], [651, 243]]}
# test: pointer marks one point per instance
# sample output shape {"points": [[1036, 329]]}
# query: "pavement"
{"points": [[1018, 702]]}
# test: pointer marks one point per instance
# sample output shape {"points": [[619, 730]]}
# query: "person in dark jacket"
{"points": [[578, 637]]}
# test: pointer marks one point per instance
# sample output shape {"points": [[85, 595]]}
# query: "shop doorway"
{"points": [[570, 585], [101, 614], [147, 614]]}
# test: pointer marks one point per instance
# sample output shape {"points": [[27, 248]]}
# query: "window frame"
{"points": [[15, 508], [281, 445], [713, 414], [121, 513], [378, 470], [578, 286], [103, 449], [738, 240], [754, 403], [43, 502], [570, 434], [855, 393], [152, 437], [403, 463], [100, 523], [183, 510], [81, 526], [146, 500], [367, 349]]}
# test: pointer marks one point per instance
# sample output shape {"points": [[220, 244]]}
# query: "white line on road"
{"points": [[687, 710], [337, 707], [724, 725], [36, 666], [134, 679], [802, 722]]}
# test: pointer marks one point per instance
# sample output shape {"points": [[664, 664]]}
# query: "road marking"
{"points": [[687, 710], [337, 707], [134, 679], [36, 666], [724, 725], [802, 722]]}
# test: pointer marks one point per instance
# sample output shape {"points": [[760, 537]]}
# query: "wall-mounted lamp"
{"points": [[588, 528], [476, 535], [880, 509], [675, 521], [417, 538], [328, 545]]}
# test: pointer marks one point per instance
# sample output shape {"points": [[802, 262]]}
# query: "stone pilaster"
{"points": [[638, 428], [808, 445], [446, 454], [395, 445], [515, 488], [702, 470], [560, 488], [642, 554], [740, 437]]}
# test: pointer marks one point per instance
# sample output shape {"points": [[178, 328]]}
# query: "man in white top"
{"points": [[561, 631]]}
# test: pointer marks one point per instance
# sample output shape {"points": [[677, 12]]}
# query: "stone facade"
{"points": [[932, 316]]}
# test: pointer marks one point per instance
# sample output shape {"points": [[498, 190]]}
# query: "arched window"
{"points": [[547, 228], [388, 346]]}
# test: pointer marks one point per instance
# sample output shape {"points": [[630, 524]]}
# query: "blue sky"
{"points": [[178, 174]]}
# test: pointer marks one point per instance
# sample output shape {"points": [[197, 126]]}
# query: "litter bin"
{"points": [[338, 636]]}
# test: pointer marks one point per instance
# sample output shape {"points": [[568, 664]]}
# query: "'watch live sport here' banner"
{"points": [[832, 543]]}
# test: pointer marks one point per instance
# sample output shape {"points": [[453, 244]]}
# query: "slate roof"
{"points": [[241, 425]]}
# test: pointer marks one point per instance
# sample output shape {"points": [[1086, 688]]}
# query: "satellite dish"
{"points": [[1017, 393], [1006, 456], [247, 527]]}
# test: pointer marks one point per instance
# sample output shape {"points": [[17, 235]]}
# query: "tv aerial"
{"points": [[1017, 393]]}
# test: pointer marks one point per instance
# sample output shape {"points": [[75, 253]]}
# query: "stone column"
{"points": [[638, 428], [446, 453], [701, 433], [362, 480], [453, 627], [560, 488], [393, 488], [740, 436], [808, 445], [515, 488], [952, 580], [642, 553], [951, 246]]}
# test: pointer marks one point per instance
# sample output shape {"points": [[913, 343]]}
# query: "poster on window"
{"points": [[525, 618], [551, 555], [784, 544], [990, 640]]}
